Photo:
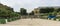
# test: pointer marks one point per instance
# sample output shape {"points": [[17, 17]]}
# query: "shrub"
{"points": [[13, 19], [9, 20], [2, 21], [54, 18]]}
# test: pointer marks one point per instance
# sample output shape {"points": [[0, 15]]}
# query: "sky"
{"points": [[29, 4]]}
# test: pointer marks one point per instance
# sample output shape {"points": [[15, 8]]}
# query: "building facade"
{"points": [[36, 11]]}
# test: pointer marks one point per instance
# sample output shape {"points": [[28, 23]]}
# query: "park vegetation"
{"points": [[8, 13]]}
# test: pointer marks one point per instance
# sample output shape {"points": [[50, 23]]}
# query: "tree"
{"points": [[46, 10], [58, 10], [23, 11], [13, 14], [5, 11], [32, 13], [9, 8]]}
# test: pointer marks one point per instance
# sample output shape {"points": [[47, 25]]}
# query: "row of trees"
{"points": [[42, 10], [47, 10], [7, 12], [23, 11]]}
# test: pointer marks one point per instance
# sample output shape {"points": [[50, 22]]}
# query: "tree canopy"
{"points": [[23, 11], [6, 11], [46, 10]]}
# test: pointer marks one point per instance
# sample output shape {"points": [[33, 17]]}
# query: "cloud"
{"points": [[29, 4]]}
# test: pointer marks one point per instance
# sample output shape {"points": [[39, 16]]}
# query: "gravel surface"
{"points": [[32, 22]]}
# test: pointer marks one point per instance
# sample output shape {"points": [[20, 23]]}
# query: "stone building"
{"points": [[36, 11]]}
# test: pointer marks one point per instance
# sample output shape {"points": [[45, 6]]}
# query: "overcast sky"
{"points": [[29, 4]]}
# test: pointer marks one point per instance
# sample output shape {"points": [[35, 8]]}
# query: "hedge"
{"points": [[2, 21], [12, 19]]}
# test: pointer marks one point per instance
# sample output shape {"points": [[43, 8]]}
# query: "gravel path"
{"points": [[32, 22]]}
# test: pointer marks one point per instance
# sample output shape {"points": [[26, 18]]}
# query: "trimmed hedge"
{"points": [[55, 19], [12, 19], [9, 19], [2, 21]]}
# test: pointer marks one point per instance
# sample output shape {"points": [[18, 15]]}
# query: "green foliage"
{"points": [[6, 11], [3, 12], [58, 10], [9, 19], [23, 11], [46, 10], [12, 19], [2, 21], [32, 13]]}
